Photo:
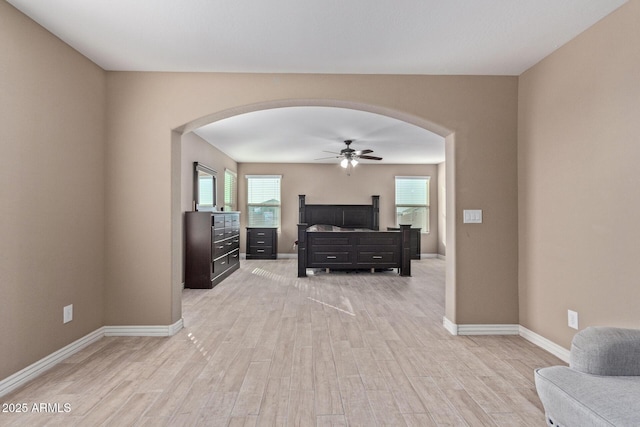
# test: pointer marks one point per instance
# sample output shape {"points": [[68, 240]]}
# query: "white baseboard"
{"points": [[32, 371], [143, 331], [499, 329], [553, 348], [450, 326], [36, 369], [542, 342]]}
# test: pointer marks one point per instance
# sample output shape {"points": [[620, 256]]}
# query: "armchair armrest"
{"points": [[606, 351]]}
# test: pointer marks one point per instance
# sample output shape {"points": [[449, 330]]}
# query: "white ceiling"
{"points": [[461, 37], [304, 134], [495, 37]]}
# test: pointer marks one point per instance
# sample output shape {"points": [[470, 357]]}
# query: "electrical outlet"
{"points": [[67, 313], [572, 318]]}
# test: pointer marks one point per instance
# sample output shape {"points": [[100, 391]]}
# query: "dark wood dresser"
{"points": [[262, 243], [212, 249]]}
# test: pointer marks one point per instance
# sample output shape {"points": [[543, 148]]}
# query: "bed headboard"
{"points": [[354, 216]]}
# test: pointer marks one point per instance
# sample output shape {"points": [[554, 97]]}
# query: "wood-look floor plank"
{"points": [[265, 348], [302, 409], [275, 405], [252, 389]]}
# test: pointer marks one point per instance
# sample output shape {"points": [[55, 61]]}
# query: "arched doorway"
{"points": [[395, 114]]}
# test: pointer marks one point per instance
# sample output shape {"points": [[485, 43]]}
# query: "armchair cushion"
{"points": [[601, 387], [606, 351], [573, 398]]}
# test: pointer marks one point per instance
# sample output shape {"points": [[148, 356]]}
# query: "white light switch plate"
{"points": [[572, 319], [472, 216], [67, 313]]}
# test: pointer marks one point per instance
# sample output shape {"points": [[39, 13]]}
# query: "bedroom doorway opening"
{"points": [[443, 196]]}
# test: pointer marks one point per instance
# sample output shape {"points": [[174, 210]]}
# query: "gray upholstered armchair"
{"points": [[601, 386]]}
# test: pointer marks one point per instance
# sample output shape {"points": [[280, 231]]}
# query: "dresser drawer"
{"points": [[218, 221], [260, 239], [232, 220], [231, 231], [232, 244], [220, 264], [218, 234], [220, 248], [234, 257], [260, 251]]}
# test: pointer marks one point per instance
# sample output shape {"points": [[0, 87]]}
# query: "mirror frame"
{"points": [[197, 168]]}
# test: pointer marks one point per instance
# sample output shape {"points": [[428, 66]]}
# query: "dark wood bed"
{"points": [[347, 237]]}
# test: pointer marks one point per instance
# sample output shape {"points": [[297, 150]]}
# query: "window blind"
{"points": [[412, 191], [230, 190], [412, 201], [263, 200]]}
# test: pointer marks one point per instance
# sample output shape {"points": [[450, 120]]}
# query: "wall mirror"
{"points": [[204, 187]]}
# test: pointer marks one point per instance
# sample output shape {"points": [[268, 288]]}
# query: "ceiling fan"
{"points": [[350, 156]]}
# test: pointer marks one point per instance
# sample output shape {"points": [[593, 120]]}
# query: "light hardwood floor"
{"points": [[266, 348]]}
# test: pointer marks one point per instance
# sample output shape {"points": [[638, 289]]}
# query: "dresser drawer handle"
{"points": [[331, 257], [261, 242], [260, 250], [377, 257], [260, 234], [221, 247]]}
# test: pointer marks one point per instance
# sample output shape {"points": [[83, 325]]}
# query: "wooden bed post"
{"points": [[375, 213], [301, 209], [405, 230], [302, 249]]}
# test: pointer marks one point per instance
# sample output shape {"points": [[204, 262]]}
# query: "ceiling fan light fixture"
{"points": [[344, 163], [354, 162]]}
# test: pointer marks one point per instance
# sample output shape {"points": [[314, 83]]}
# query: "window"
{"points": [[412, 201], [230, 190], [263, 200]]}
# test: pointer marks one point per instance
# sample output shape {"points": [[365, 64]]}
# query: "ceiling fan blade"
{"points": [[332, 152], [361, 152], [370, 157], [330, 157]]}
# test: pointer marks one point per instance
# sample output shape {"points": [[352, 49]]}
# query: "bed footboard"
{"points": [[354, 250]]}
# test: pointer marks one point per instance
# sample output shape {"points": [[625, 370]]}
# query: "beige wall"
{"points": [[329, 184], [92, 190], [143, 253], [578, 155], [95, 219], [52, 116]]}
